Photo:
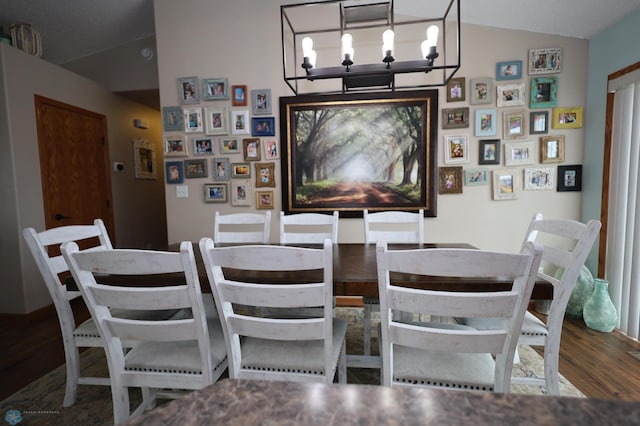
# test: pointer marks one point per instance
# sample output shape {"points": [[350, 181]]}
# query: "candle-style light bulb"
{"points": [[387, 43], [347, 46], [432, 34], [308, 52]]}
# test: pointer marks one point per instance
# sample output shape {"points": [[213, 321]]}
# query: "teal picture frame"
{"points": [[544, 92]]}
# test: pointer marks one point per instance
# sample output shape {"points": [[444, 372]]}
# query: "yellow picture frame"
{"points": [[567, 118]]}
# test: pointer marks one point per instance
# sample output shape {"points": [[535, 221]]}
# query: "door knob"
{"points": [[58, 216]]}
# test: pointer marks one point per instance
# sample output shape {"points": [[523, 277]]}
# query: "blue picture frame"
{"points": [[172, 119], [544, 92], [263, 126], [174, 172], [486, 122], [509, 70]]}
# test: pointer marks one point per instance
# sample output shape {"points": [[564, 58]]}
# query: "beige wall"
{"points": [[240, 40], [138, 204]]}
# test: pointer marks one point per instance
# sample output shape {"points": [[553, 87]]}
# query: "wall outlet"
{"points": [[182, 191]]}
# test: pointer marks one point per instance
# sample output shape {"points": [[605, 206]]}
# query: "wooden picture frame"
{"points": [[188, 90], [481, 91], [221, 169], [544, 61], [263, 126], [215, 89], [552, 149], [508, 70], [195, 169], [271, 149], [538, 122], [539, 178], [511, 94], [174, 172], [264, 200], [450, 180], [569, 178], [144, 158], [456, 90], [216, 121], [313, 126], [215, 193], [172, 119], [486, 122], [506, 183], [251, 149], [455, 118], [193, 120], [240, 170], [240, 193], [513, 124], [489, 151], [567, 118], [240, 122], [229, 146], [456, 149], [261, 102], [202, 146], [544, 92], [476, 177], [516, 153], [239, 95], [175, 146], [265, 175]]}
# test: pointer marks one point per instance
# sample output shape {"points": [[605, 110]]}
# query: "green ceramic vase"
{"points": [[581, 292], [599, 312]]}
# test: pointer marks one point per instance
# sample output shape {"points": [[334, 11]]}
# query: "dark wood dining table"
{"points": [[256, 402]]}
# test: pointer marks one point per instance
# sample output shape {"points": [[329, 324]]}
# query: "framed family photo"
{"points": [[144, 157], [545, 61], [175, 146], [538, 178], [265, 174], [513, 124], [251, 149], [481, 91], [475, 177], [509, 70], [240, 193], [538, 122], [172, 119], [202, 146], [229, 146], [486, 122], [215, 192], [214, 89], [188, 90], [567, 118], [216, 122], [271, 149], [450, 180], [543, 92], [221, 169], [263, 126], [511, 95], [456, 90], [195, 169], [240, 170], [570, 178], [552, 149], [240, 122], [264, 199], [505, 184], [456, 149], [261, 102], [174, 172], [239, 95], [193, 120], [455, 118], [489, 151], [516, 153]]}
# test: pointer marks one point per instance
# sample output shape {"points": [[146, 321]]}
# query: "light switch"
{"points": [[182, 191]]}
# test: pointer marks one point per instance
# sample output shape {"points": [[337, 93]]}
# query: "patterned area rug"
{"points": [[40, 403]]}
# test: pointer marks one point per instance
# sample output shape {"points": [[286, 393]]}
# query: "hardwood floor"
{"points": [[601, 365]]}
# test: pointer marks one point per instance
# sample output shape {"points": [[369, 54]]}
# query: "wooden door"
{"points": [[74, 165]]}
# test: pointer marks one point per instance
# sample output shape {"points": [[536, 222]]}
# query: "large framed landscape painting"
{"points": [[375, 151]]}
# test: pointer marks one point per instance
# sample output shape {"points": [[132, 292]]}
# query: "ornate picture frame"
{"points": [[264, 200], [265, 175], [221, 169], [539, 178], [544, 61], [251, 149], [450, 180], [552, 149], [144, 158], [544, 92]]}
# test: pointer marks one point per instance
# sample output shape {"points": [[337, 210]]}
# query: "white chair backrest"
{"points": [[242, 228], [52, 266], [566, 244], [229, 295], [394, 227], [308, 228], [87, 267], [509, 305]]}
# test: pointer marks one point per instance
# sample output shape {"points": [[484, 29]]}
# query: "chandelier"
{"points": [[342, 46]]}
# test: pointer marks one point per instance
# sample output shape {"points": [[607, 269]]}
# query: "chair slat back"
{"points": [[509, 305], [394, 227], [308, 228], [242, 228]]}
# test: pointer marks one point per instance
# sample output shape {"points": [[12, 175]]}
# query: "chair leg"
{"points": [[367, 329], [551, 372], [72, 359], [120, 399], [342, 364]]}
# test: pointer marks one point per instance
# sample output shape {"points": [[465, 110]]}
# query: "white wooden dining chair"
{"points": [[308, 228], [278, 347], [566, 245], [242, 228], [449, 355], [393, 227], [53, 269], [183, 352]]}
